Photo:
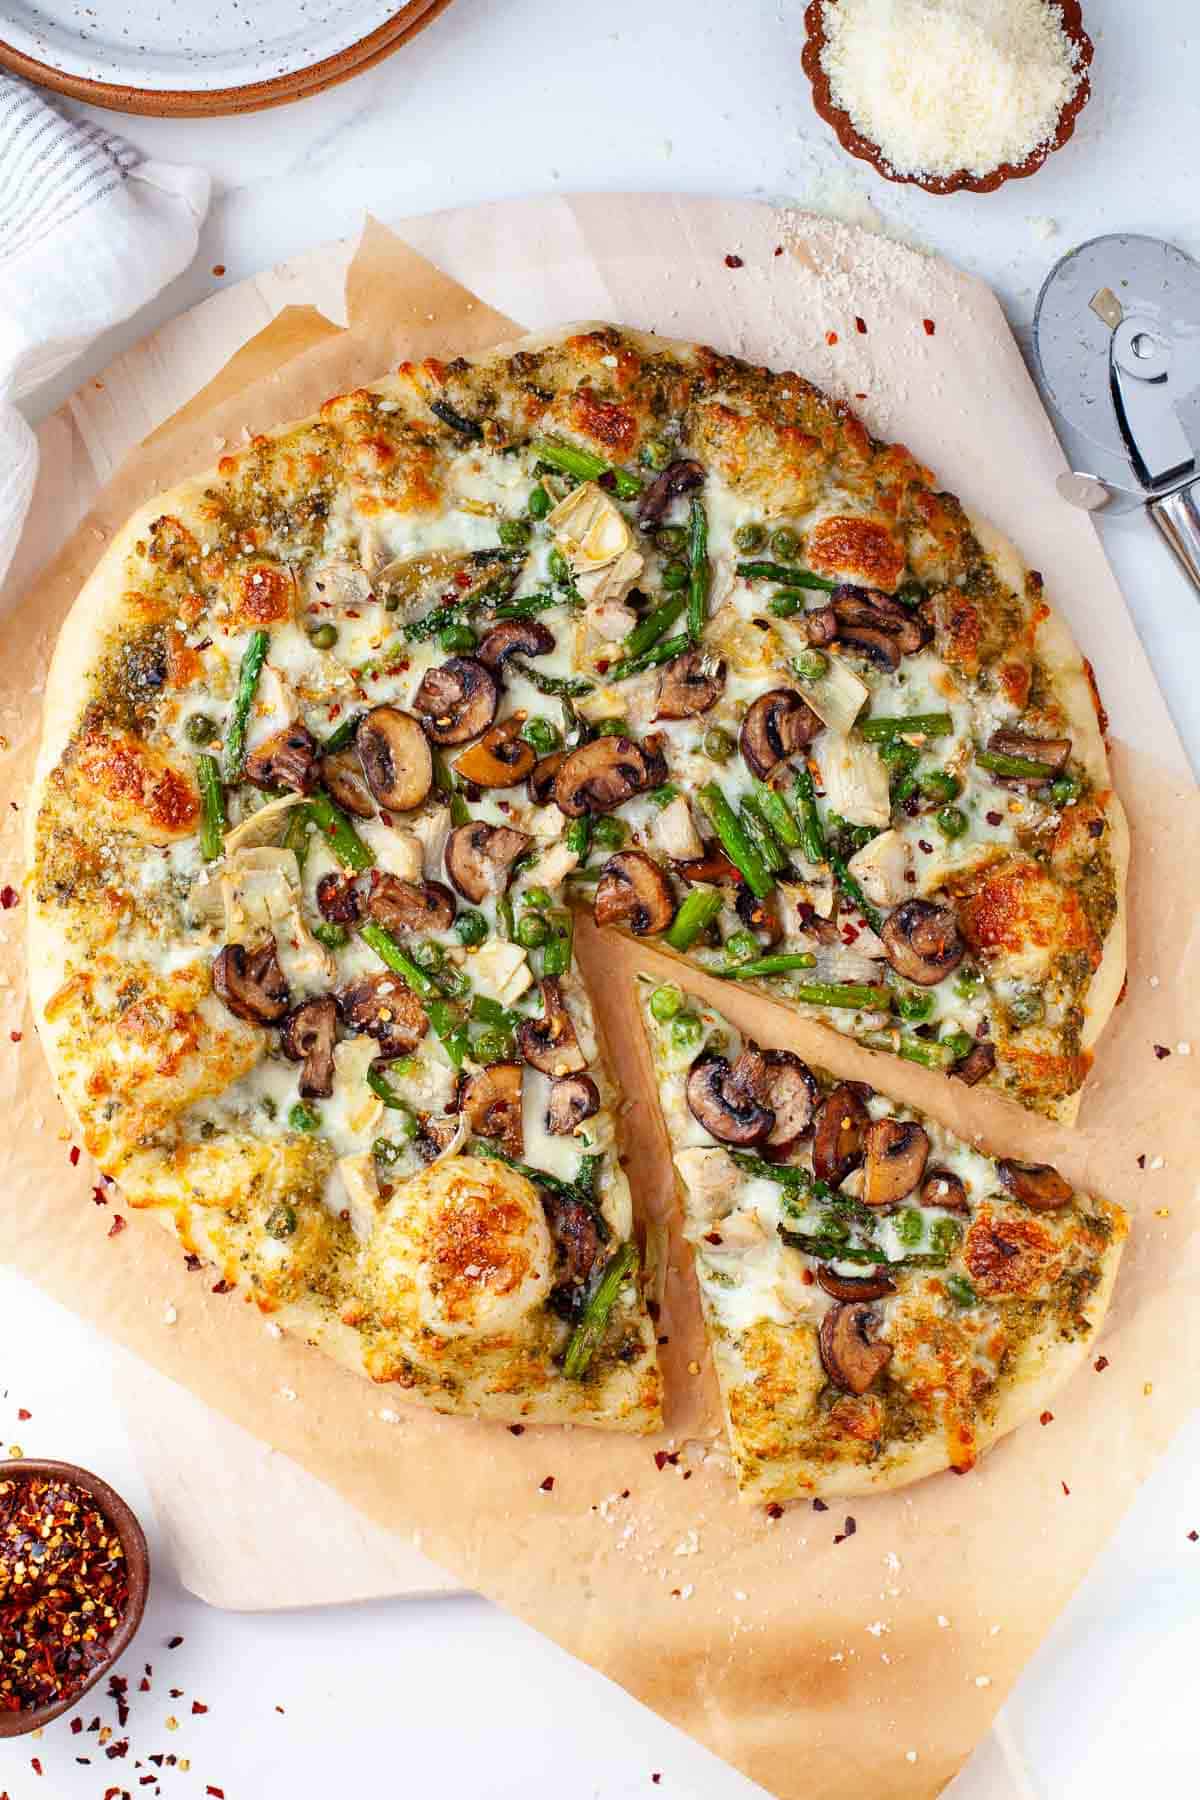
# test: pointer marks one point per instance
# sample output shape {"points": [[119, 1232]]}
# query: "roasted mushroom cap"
{"points": [[514, 637], [793, 1095], [878, 646], [839, 1134], [897, 1151], [855, 1287], [501, 758], [1035, 1184], [634, 891], [943, 1188], [290, 759], [341, 776], [852, 1358], [340, 898], [479, 857], [382, 1007], [677, 478], [251, 982], [600, 775], [776, 726], [403, 906], [1053, 752], [821, 626], [543, 776], [577, 1245], [867, 609], [457, 701], [491, 1102], [573, 1098], [395, 757], [550, 1043], [308, 1036], [691, 684], [979, 1061], [725, 1102], [922, 942]]}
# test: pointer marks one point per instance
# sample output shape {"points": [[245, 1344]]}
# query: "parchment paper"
{"points": [[819, 1668]]}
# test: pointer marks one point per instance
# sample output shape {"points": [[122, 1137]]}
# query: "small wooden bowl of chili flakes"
{"points": [[74, 1573]]}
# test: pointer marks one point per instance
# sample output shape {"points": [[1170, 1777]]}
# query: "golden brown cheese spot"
{"points": [[1008, 1255], [184, 665], [1014, 679], [264, 595], [138, 787], [598, 349], [858, 1416], [856, 549], [476, 1242], [781, 466], [605, 423], [1022, 916], [172, 546]]}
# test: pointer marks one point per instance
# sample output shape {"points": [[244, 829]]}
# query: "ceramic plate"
{"points": [[218, 57]]}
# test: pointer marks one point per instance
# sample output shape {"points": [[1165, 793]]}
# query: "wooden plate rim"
{"points": [[255, 96]]}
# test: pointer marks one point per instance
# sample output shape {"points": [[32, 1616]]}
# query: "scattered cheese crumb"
{"points": [[388, 1416], [983, 1681], [274, 1330], [878, 1628], [943, 1621], [1043, 228], [1156, 1162], [1183, 1048], [688, 1545], [910, 1756], [169, 1314], [287, 1393]]}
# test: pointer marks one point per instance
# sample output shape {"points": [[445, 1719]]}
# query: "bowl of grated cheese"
{"points": [[949, 94]]}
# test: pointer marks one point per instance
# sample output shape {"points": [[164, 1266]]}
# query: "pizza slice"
{"points": [[882, 1300]]}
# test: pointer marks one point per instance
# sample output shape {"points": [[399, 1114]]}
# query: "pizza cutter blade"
{"points": [[1117, 340]]}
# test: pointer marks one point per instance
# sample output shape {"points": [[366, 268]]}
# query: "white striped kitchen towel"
{"points": [[89, 232]]}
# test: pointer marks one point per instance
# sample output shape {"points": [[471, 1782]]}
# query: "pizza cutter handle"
{"points": [[1177, 516]]}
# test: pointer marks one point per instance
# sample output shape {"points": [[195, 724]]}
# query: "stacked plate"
{"points": [[222, 57]]}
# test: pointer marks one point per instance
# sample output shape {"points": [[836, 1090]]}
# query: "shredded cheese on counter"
{"points": [[944, 85]]}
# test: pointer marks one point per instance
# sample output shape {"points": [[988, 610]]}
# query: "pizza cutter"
{"points": [[1116, 335]]}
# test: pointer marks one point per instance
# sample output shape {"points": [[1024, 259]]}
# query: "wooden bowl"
{"points": [[853, 141], [137, 1558]]}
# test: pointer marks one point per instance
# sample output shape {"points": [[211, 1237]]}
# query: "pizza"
{"points": [[339, 733], [882, 1300]]}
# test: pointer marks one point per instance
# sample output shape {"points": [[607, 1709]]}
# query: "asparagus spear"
{"points": [[698, 911], [734, 841], [880, 728], [344, 841], [650, 659], [787, 577], [844, 993], [253, 658], [812, 834], [584, 466], [699, 570], [585, 1339], [556, 956], [212, 807], [571, 687], [851, 889], [778, 815], [769, 965], [649, 630], [1016, 768]]}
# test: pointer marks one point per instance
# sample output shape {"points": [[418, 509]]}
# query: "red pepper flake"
{"points": [[217, 1793], [174, 1643], [860, 325], [820, 1506], [15, 1036], [930, 327], [517, 1430], [547, 1486], [119, 1749], [602, 665], [713, 1237], [663, 1457], [924, 846], [774, 1510], [73, 1156], [994, 818], [23, 1413], [35, 1765], [1141, 1161], [100, 1193], [1100, 1364], [175, 1693], [1046, 1418], [831, 338], [848, 1530], [117, 1226], [222, 1286], [1065, 1488], [76, 1727], [778, 250], [9, 898], [734, 262], [198, 1706], [191, 1262], [143, 1686], [1193, 1537], [1160, 1050]]}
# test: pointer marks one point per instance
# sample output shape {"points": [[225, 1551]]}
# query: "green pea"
{"points": [[334, 937], [686, 1031], [951, 821], [471, 928], [514, 533], [541, 734], [281, 1220], [303, 1118], [323, 637], [1027, 1007], [958, 1043], [785, 604], [1065, 790], [961, 1291], [741, 946], [785, 544], [492, 1047], [531, 931], [914, 1007], [939, 784], [672, 538], [538, 503], [675, 576], [537, 897], [665, 1002], [967, 983], [428, 956], [910, 1226], [899, 757], [268, 1105], [559, 567], [749, 537], [200, 729], [611, 727], [719, 746], [457, 637], [655, 454], [811, 665], [663, 796], [945, 1235], [834, 1227], [454, 982], [609, 833]]}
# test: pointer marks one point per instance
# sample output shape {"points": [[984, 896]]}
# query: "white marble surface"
{"points": [[524, 97]]}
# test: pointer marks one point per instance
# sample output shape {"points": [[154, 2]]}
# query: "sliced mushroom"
{"points": [[724, 1102], [395, 757], [677, 478], [979, 1061], [793, 1095], [635, 892], [457, 701], [404, 906], [691, 684], [514, 637], [878, 646], [500, 759], [855, 1287], [756, 914], [550, 1043], [713, 866], [382, 1007], [602, 774], [340, 898], [857, 608], [1053, 752], [290, 759], [577, 1246], [941, 1187], [776, 726], [896, 1153], [251, 982], [1036, 1185], [839, 1134], [479, 857], [308, 1036], [341, 775], [922, 943], [543, 776], [852, 1357], [491, 1103], [821, 626], [573, 1098]]}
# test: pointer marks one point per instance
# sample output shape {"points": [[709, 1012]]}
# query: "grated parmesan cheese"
{"points": [[944, 85]]}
